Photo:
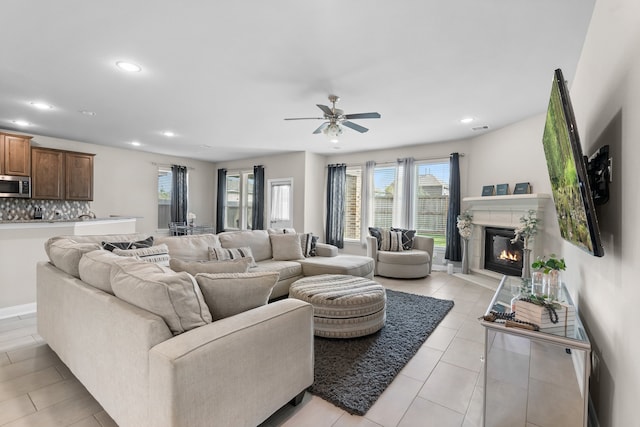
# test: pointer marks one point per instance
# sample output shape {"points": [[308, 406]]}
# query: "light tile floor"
{"points": [[440, 386]]}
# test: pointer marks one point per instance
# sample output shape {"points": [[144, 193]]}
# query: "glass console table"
{"points": [[534, 377]]}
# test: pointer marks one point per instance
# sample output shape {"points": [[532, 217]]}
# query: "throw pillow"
{"points": [[286, 247], [281, 230], [240, 265], [224, 254], [377, 233], [391, 241], [308, 244], [95, 268], [407, 237], [176, 297], [146, 243], [158, 254], [66, 254], [228, 294]]}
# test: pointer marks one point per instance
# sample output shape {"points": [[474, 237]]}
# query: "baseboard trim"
{"points": [[17, 310]]}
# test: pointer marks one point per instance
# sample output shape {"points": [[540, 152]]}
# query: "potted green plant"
{"points": [[550, 267]]}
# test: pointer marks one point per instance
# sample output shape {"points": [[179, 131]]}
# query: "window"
{"points": [[164, 197], [352, 203], [384, 179], [239, 201], [432, 199]]}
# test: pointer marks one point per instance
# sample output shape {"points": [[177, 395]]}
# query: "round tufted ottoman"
{"points": [[343, 306]]}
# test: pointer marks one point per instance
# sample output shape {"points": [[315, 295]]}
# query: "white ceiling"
{"points": [[223, 75]]}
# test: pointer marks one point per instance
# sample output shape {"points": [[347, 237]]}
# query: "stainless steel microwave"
{"points": [[15, 186]]}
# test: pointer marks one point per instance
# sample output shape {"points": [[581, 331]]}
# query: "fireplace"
{"points": [[500, 255]]}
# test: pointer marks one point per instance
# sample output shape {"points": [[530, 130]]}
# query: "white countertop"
{"points": [[48, 223]]}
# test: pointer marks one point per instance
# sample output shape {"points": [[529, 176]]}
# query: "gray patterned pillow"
{"points": [[157, 254], [407, 237], [146, 243]]}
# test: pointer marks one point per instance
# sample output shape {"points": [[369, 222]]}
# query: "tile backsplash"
{"points": [[22, 209]]}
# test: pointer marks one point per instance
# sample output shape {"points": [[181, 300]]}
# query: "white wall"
{"points": [[126, 182], [606, 100], [314, 194]]}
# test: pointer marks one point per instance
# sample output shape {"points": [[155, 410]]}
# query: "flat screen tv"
{"points": [[568, 172]]}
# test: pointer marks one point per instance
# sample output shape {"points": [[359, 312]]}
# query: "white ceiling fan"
{"points": [[335, 117]]}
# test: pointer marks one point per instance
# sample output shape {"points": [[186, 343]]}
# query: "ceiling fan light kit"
{"points": [[335, 117]]}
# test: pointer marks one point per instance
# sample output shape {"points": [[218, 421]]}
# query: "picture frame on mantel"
{"points": [[487, 190], [522, 188], [502, 189]]}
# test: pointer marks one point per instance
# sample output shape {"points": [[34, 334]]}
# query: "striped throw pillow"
{"points": [[223, 254], [391, 241], [158, 254]]}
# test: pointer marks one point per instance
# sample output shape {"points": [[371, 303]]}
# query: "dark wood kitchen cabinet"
{"points": [[15, 154], [61, 175]]}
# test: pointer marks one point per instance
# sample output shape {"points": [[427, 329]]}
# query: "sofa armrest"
{"points": [[424, 243], [235, 371], [326, 250]]}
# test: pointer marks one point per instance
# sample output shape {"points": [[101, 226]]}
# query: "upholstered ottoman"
{"points": [[343, 306]]}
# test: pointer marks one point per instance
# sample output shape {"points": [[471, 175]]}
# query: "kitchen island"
{"points": [[22, 246]]}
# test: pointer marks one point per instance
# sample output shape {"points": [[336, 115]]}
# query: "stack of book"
{"points": [[539, 315]]}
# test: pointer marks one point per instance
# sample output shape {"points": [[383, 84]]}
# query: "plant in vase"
{"points": [[551, 268], [465, 228], [526, 230]]}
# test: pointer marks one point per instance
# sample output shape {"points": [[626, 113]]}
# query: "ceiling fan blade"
{"points": [[305, 118], [354, 126], [325, 109], [362, 116], [321, 128]]}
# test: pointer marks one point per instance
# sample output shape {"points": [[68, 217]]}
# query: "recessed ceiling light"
{"points": [[87, 112], [41, 105], [135, 143], [466, 120], [21, 122], [128, 66], [168, 133]]}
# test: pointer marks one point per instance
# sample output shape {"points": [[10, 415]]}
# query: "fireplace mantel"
{"points": [[505, 212]]}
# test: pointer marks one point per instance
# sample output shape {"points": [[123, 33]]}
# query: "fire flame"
{"points": [[504, 255]]}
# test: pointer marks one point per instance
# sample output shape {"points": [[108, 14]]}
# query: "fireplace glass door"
{"points": [[501, 255]]}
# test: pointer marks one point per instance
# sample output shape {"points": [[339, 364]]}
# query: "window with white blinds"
{"points": [[384, 179], [352, 203], [431, 199]]}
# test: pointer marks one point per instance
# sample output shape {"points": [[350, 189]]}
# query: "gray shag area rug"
{"points": [[353, 373]]}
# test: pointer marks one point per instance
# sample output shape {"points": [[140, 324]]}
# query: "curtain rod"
{"points": [[166, 165], [417, 160]]}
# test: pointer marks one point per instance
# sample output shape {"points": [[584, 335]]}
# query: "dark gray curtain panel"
{"points": [[257, 222], [178, 193], [453, 250], [220, 200], [336, 188]]}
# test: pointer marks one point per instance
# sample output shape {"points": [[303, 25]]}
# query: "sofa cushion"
{"points": [[281, 231], [391, 241], [224, 254], [410, 257], [287, 269], [232, 293], [354, 265], [190, 248], [286, 247], [257, 240], [95, 268], [66, 254], [175, 297], [240, 265], [158, 254], [407, 237], [145, 243]]}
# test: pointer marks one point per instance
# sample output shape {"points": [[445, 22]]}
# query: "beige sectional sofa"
{"points": [[326, 261], [236, 371]]}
